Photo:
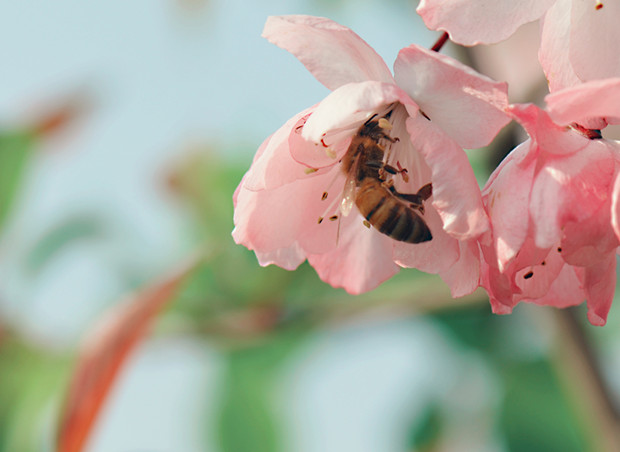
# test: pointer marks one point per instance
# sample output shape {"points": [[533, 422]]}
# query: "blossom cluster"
{"points": [[375, 177]]}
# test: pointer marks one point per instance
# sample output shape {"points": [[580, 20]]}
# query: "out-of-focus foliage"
{"points": [[16, 148], [103, 354], [59, 237], [30, 379], [535, 415], [248, 418]]}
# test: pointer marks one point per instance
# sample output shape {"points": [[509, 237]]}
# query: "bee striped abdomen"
{"points": [[390, 215]]}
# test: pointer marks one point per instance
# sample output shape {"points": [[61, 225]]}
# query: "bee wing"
{"points": [[348, 197], [348, 193]]}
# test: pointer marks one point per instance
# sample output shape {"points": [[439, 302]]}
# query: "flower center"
{"points": [[370, 176]]}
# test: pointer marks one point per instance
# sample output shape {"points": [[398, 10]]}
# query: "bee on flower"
{"points": [[320, 187]]}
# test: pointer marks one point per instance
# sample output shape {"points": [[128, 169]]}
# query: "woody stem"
{"points": [[580, 373]]}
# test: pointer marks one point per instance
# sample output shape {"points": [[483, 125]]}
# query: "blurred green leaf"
{"points": [[248, 417], [427, 430], [15, 150], [472, 326], [29, 381], [535, 414], [71, 229]]}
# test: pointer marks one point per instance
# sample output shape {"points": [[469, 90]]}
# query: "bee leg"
{"points": [[389, 184], [400, 170], [379, 166], [416, 200], [390, 139], [425, 191]]}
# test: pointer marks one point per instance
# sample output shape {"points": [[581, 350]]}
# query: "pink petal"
{"points": [[535, 271], [468, 106], [361, 261], [615, 206], [318, 154], [506, 198], [334, 54], [553, 54], [570, 189], [600, 284], [547, 135], [597, 99], [464, 276], [456, 195], [435, 256], [587, 241], [475, 22], [350, 105], [270, 220], [594, 39], [565, 290], [499, 286], [273, 164], [287, 258]]}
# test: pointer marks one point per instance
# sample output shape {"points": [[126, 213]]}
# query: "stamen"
{"points": [[332, 207], [331, 153], [331, 182], [592, 134], [310, 170], [366, 223], [333, 218]]}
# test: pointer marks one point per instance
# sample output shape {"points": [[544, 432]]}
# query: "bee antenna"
{"points": [[368, 121]]}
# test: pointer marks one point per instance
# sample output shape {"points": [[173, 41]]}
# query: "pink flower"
{"points": [[434, 105], [553, 207], [578, 37]]}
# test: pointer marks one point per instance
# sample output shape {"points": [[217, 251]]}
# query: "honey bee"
{"points": [[395, 214]]}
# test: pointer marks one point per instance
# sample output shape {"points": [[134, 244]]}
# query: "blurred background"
{"points": [[124, 130]]}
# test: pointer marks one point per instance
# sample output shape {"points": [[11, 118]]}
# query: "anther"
{"points": [[528, 275], [310, 170], [366, 223], [324, 197], [333, 218], [320, 220], [330, 152]]}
